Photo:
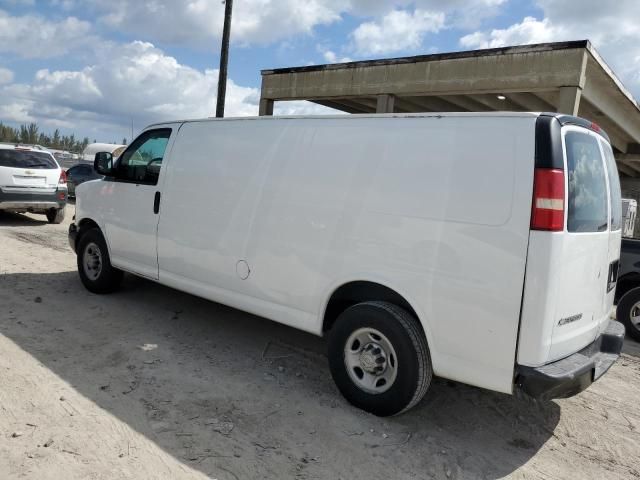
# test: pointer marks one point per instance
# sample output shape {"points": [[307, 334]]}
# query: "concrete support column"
{"points": [[266, 107], [385, 103], [569, 100]]}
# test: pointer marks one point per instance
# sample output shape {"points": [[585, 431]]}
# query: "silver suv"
{"points": [[32, 181]]}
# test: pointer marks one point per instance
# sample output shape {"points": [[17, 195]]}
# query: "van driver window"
{"points": [[141, 162]]}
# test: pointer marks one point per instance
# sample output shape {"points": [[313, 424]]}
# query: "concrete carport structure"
{"points": [[566, 77]]}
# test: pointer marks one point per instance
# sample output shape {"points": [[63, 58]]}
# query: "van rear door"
{"points": [[581, 303], [572, 260]]}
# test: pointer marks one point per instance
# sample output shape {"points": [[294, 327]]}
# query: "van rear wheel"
{"points": [[379, 358], [628, 312], [94, 265]]}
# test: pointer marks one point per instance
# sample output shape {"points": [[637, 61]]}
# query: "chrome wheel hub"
{"points": [[370, 360], [92, 261]]}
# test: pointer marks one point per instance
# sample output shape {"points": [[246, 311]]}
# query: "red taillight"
{"points": [[63, 177], [548, 200]]}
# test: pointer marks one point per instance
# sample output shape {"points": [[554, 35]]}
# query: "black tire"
{"points": [[629, 302], [55, 215], [107, 278], [403, 332]]}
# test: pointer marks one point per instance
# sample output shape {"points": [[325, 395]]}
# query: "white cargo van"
{"points": [[481, 248]]}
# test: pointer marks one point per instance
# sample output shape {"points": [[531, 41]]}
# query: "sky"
{"points": [[95, 67]]}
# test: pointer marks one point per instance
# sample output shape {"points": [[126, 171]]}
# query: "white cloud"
{"points": [[136, 81], [196, 22], [529, 30], [397, 30], [6, 76], [331, 57], [33, 36]]}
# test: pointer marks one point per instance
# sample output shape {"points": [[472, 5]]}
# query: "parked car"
{"points": [[456, 245], [32, 181], [628, 290], [78, 174]]}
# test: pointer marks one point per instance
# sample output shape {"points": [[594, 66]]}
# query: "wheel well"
{"points": [[626, 283], [352, 293], [85, 225]]}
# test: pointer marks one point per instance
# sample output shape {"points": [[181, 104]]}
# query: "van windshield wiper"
{"points": [[603, 227]]}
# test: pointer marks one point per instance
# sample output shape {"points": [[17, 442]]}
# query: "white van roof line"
{"points": [[347, 116]]}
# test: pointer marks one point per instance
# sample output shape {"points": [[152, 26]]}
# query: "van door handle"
{"points": [[156, 203]]}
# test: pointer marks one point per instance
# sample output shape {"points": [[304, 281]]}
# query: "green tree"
{"points": [[55, 140]]}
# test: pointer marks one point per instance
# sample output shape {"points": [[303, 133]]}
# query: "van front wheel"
{"points": [[379, 358], [628, 312], [94, 265]]}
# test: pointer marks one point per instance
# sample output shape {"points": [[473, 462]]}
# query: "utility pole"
{"points": [[224, 59]]}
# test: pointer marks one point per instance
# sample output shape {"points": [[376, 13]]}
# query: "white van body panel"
{"points": [[435, 207]]}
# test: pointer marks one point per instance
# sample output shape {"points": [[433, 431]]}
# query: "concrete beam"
{"points": [[266, 107], [629, 157], [336, 106], [353, 106], [631, 166], [385, 103], [569, 100], [530, 102], [491, 101], [630, 172], [414, 104], [492, 73], [356, 105], [435, 104], [633, 148], [616, 110], [467, 103]]}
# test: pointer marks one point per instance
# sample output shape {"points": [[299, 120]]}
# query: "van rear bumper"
{"points": [[573, 374]]}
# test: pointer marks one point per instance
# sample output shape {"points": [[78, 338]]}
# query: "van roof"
{"points": [[562, 118], [350, 116]]}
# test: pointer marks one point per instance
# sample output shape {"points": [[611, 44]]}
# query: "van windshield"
{"points": [[588, 202], [615, 196], [26, 159]]}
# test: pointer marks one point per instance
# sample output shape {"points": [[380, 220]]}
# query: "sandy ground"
{"points": [[153, 383]]}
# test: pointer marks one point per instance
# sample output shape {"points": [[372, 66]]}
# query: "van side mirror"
{"points": [[103, 164]]}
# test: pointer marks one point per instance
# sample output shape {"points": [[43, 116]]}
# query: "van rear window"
{"points": [[26, 159], [588, 202]]}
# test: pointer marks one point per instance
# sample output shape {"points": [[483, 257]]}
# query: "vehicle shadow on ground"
{"points": [[254, 397], [20, 220], [631, 347]]}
